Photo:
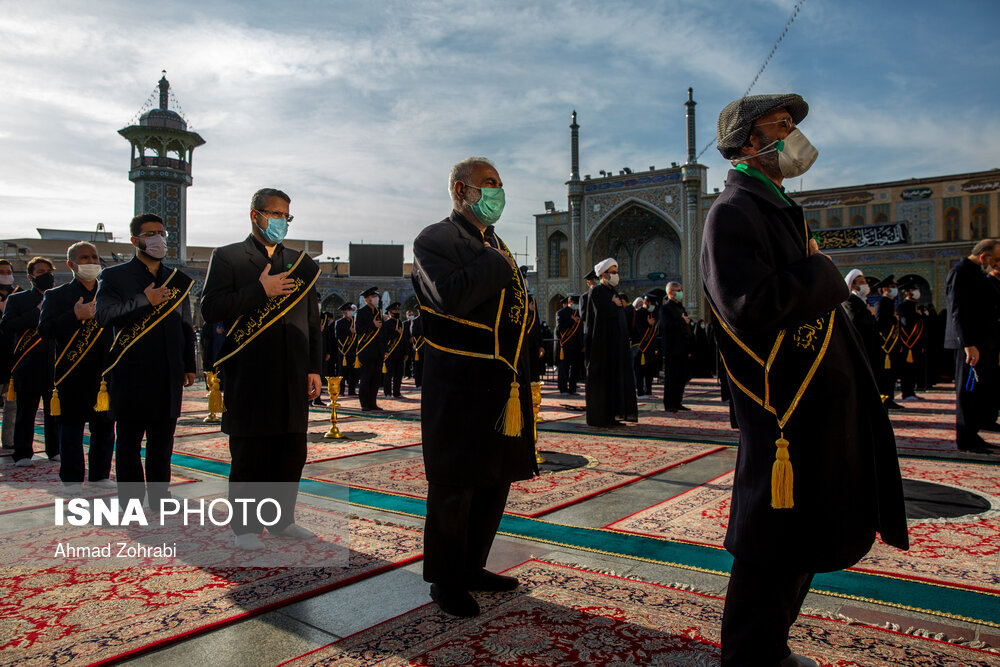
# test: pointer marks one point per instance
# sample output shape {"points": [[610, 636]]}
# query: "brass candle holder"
{"points": [[536, 403], [333, 386], [215, 405]]}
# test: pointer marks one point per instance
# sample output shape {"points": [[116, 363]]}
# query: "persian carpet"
{"points": [[612, 462], [961, 552], [93, 614], [568, 616]]}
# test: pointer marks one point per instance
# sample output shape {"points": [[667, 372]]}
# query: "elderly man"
{"points": [[861, 313], [677, 344], [611, 397], [971, 333], [817, 409], [476, 416], [81, 349], [265, 294]]}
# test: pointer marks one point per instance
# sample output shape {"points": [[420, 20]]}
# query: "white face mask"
{"points": [[613, 279], [864, 289], [795, 154], [915, 294], [156, 246], [7, 279], [87, 272]]}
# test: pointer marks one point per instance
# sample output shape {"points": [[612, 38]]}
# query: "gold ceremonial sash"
{"points": [[795, 366], [180, 285], [82, 342], [889, 343], [247, 327], [569, 334], [25, 344], [367, 338], [909, 340], [345, 345], [395, 343]]}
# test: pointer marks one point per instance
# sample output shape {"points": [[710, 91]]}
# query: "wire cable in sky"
{"points": [[788, 24]]}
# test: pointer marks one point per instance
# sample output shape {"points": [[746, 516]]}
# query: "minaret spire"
{"points": [[164, 91], [692, 149], [574, 143]]}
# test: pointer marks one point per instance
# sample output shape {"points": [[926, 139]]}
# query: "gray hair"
{"points": [[986, 245], [673, 285], [462, 171], [72, 251], [259, 198]]}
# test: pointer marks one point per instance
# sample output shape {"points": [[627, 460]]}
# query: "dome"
{"points": [[163, 118]]}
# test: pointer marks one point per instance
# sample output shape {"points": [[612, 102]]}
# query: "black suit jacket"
{"points": [[371, 351], [565, 323], [676, 337], [265, 385], [34, 374], [970, 315], [148, 381], [58, 323]]}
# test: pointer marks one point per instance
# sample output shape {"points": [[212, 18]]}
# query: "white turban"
{"points": [[852, 274], [604, 266], [637, 302]]}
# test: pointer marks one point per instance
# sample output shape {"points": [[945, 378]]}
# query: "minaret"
{"points": [[162, 148], [692, 149], [574, 196]]}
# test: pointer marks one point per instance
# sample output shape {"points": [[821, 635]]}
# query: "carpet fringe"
{"points": [[910, 630], [382, 522], [605, 570]]}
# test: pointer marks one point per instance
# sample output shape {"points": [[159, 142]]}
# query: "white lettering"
{"points": [[277, 509], [229, 512]]}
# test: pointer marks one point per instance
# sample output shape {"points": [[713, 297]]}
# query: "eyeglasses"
{"points": [[277, 214], [786, 123], [151, 234]]}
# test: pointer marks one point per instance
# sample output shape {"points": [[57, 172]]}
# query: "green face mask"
{"points": [[490, 205]]}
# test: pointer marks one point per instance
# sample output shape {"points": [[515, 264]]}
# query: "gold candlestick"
{"points": [[215, 405], [536, 403], [333, 386]]}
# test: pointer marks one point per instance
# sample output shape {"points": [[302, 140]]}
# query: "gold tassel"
{"points": [[642, 359], [781, 477], [416, 354], [11, 394], [510, 421], [357, 362], [384, 370], [561, 356], [909, 356], [215, 404], [103, 403], [887, 364], [55, 408]]}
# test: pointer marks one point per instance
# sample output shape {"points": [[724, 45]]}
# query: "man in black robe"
{"points": [[970, 333], [258, 277], [677, 342], [67, 317], [772, 288], [646, 342], [861, 313], [370, 349], [476, 416], [146, 383], [32, 358], [611, 397]]}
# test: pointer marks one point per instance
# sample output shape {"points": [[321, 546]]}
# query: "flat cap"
{"points": [[368, 292], [739, 115]]}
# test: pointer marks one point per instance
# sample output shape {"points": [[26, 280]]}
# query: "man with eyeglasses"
{"points": [[804, 396], [145, 305], [611, 397], [31, 364], [265, 294]]}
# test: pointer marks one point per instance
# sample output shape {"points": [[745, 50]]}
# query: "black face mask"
{"points": [[44, 281]]}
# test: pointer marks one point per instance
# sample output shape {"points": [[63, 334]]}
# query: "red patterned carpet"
{"points": [[39, 485], [93, 612], [567, 616], [963, 552], [612, 462], [360, 437]]}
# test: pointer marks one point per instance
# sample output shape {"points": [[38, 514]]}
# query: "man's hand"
{"points": [[971, 355], [687, 320], [575, 315], [188, 379], [84, 311], [156, 295], [377, 323], [650, 319], [326, 357], [314, 385], [541, 352], [615, 300], [510, 260], [276, 285]]}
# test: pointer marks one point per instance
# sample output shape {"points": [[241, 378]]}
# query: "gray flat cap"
{"points": [[736, 119]]}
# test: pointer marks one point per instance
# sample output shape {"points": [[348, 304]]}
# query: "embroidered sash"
{"points": [[79, 345], [25, 344], [910, 338], [889, 342], [304, 272]]}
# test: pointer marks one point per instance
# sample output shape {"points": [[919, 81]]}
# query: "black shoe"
{"points": [[670, 409], [454, 600], [683, 408], [892, 405], [318, 402], [397, 396], [990, 427], [484, 580]]}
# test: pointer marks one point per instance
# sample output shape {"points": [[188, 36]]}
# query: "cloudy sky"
{"points": [[358, 110]]}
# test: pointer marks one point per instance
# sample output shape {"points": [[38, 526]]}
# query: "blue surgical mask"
{"points": [[893, 292], [276, 230], [490, 205]]}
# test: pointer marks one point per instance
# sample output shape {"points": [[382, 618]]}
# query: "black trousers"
{"points": [[369, 374], [24, 426], [266, 467], [349, 385], [973, 408], [885, 378], [676, 373], [909, 374], [159, 435], [570, 370], [102, 447], [762, 603], [393, 378], [418, 372], [459, 530], [644, 373]]}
